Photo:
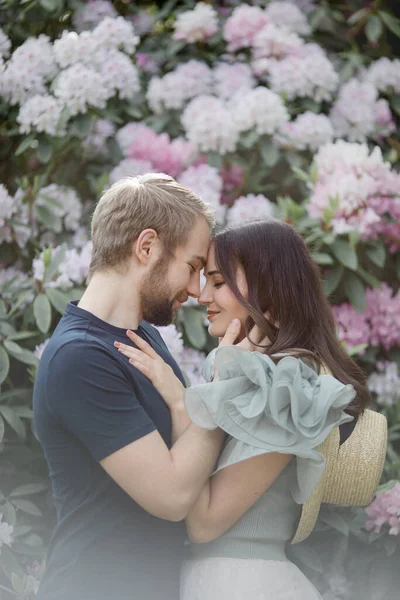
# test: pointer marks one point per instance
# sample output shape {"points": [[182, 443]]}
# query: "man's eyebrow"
{"points": [[200, 258]]}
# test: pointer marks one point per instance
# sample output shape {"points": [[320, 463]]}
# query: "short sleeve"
{"points": [[91, 396], [267, 407]]}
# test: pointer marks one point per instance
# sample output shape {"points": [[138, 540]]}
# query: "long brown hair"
{"points": [[284, 282]]}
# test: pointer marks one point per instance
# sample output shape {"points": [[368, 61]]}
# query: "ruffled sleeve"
{"points": [[267, 407]]}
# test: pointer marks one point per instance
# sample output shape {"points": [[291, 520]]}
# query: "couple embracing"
{"points": [[165, 492]]}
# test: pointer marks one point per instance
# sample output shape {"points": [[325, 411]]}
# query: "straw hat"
{"points": [[352, 472]]}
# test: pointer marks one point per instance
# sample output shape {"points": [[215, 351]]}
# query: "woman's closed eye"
{"points": [[218, 284]]}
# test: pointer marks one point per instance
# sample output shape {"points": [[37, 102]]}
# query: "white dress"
{"points": [[264, 407]]}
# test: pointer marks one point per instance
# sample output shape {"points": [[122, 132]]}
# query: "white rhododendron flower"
{"points": [[250, 208], [259, 109], [42, 114], [130, 167], [288, 15], [196, 25], [80, 87], [307, 131], [206, 182], [172, 91], [209, 125], [173, 340]]}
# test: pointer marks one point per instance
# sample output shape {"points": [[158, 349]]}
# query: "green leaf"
{"points": [[81, 125], [247, 140], [374, 28], [376, 254], [13, 420], [17, 583], [332, 279], [10, 564], [44, 151], [395, 102], [322, 258], [357, 16], [269, 152], [335, 521], [3, 309], [368, 278], [25, 356], [24, 145], [52, 269], [22, 335], [2, 429], [12, 347], [345, 254], [42, 312], [194, 327], [27, 506], [355, 291], [47, 217], [52, 5], [214, 159], [4, 364], [300, 174], [58, 299], [28, 489], [357, 349], [391, 22]]}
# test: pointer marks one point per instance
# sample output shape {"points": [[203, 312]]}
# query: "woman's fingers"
{"points": [[142, 344], [231, 333]]}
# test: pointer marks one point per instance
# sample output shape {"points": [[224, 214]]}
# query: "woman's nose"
{"points": [[204, 297]]}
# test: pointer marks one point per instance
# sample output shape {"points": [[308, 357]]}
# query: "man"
{"points": [[121, 486]]}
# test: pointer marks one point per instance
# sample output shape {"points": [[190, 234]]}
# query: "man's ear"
{"points": [[146, 246]]}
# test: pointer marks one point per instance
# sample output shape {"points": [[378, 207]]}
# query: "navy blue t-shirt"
{"points": [[88, 403]]}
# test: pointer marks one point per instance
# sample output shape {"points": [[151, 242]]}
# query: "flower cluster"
{"points": [[250, 208], [209, 125], [15, 224], [82, 70], [196, 25], [206, 182], [6, 532], [357, 189], [378, 325], [63, 204], [149, 151], [385, 383], [385, 510], [28, 70], [173, 340], [259, 109], [172, 91], [188, 359], [358, 113], [95, 143], [384, 74], [91, 14], [73, 270], [308, 131]]}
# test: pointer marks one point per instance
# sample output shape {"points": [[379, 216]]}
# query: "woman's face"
{"points": [[222, 304]]}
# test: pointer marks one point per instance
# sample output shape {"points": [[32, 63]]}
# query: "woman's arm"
{"points": [[230, 493]]}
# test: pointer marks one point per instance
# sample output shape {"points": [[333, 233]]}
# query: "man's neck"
{"points": [[113, 299]]}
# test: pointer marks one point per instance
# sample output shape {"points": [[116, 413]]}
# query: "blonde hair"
{"points": [[155, 201]]}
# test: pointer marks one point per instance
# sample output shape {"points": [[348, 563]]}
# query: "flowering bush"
{"points": [[265, 108]]}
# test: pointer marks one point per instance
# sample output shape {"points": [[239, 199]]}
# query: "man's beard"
{"points": [[155, 296]]}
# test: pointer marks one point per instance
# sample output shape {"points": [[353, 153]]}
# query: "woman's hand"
{"points": [[147, 361], [232, 333]]}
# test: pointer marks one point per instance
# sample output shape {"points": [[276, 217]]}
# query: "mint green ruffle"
{"points": [[267, 407]]}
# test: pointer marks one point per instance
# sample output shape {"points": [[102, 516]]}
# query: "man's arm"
{"points": [[166, 482], [90, 395]]}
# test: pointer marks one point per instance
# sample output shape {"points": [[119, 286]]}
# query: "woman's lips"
{"points": [[211, 314]]}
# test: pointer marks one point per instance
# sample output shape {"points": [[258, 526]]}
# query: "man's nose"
{"points": [[193, 288]]}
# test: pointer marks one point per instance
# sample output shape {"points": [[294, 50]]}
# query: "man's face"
{"points": [[173, 279]]}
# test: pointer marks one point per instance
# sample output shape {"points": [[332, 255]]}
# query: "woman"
{"points": [[273, 405]]}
